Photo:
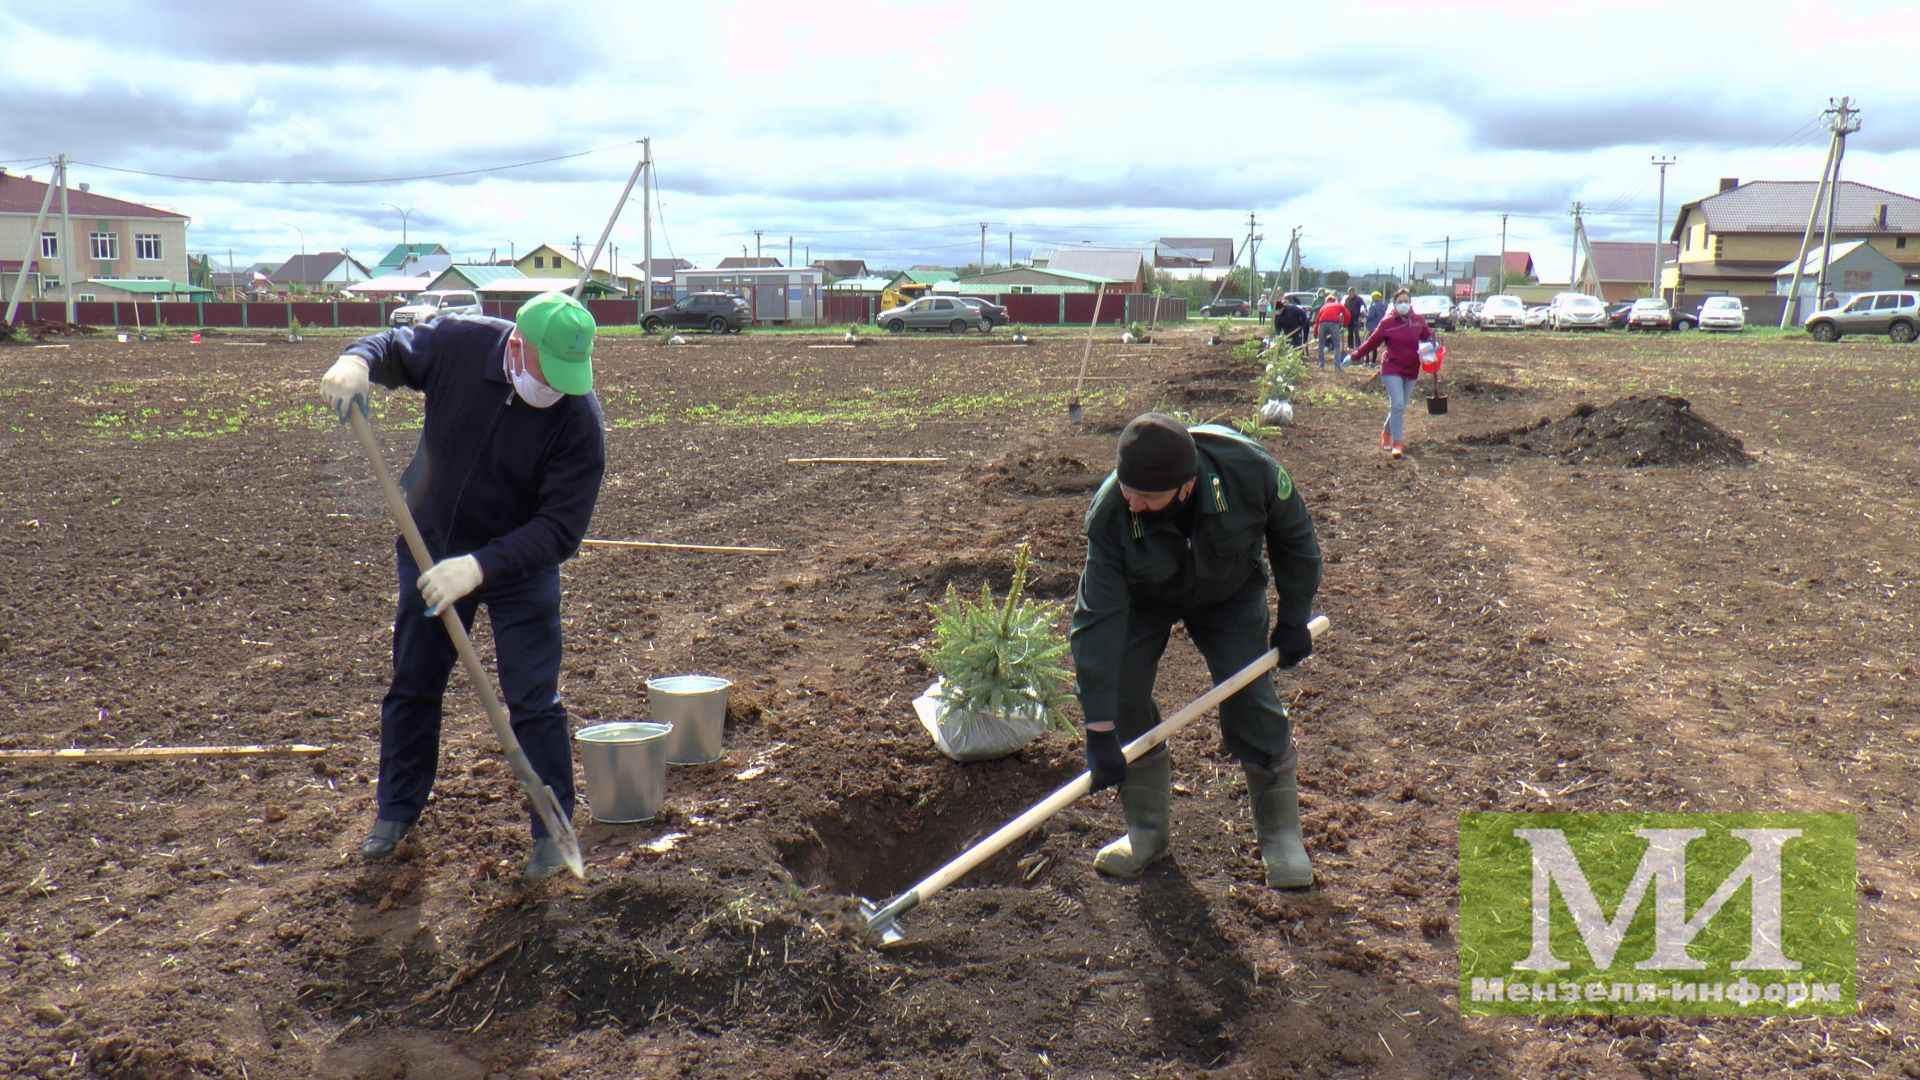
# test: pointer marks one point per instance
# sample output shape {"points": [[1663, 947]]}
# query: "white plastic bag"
{"points": [[978, 736]]}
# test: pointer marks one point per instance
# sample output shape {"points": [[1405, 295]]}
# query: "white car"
{"points": [[1576, 311], [433, 304], [1536, 317], [1503, 312], [1723, 313]]}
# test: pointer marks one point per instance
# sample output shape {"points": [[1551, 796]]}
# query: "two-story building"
{"points": [[101, 237], [1734, 241]]}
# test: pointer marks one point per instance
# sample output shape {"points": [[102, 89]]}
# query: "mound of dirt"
{"points": [[1475, 387], [1044, 475], [1640, 430]]}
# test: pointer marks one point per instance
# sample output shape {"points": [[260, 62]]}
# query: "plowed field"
{"points": [[1618, 610]]}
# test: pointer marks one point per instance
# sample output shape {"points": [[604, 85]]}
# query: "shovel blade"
{"points": [[1437, 406], [881, 923], [560, 830], [1073, 412]]}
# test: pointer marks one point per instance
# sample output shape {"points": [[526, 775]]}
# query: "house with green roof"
{"points": [[138, 289], [1029, 279], [395, 260], [920, 276], [472, 277]]}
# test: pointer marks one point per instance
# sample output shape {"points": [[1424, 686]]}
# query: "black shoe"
{"points": [[544, 860], [383, 838]]}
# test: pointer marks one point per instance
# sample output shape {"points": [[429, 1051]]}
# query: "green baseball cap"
{"points": [[562, 329]]}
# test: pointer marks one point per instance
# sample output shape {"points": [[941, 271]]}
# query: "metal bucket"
{"points": [[696, 706], [626, 767]]}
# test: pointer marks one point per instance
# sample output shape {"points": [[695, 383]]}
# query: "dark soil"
{"points": [[1634, 431], [192, 553]]}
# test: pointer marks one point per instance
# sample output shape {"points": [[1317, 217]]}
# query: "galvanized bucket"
{"points": [[626, 767], [696, 707]]}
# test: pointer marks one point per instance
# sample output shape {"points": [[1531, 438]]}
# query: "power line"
{"points": [[342, 183]]}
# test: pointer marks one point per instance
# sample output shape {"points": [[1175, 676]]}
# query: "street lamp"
{"points": [[303, 239], [403, 220]]}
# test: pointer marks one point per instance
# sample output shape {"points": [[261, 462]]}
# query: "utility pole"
{"points": [[66, 241], [1446, 267], [646, 229], [1843, 120], [789, 251], [576, 249], [1501, 274], [756, 246], [1253, 264], [1573, 260], [983, 247], [1293, 284], [1660, 219], [1009, 249]]}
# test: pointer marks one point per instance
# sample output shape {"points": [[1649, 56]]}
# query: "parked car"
{"points": [[947, 313], [1617, 314], [1723, 313], [1467, 313], [995, 314], [1649, 313], [1537, 317], [434, 303], [1307, 299], [1576, 311], [1502, 312], [717, 312], [1436, 309], [1895, 314], [1226, 307]]}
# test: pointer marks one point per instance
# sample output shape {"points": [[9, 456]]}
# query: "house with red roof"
{"points": [[98, 237]]}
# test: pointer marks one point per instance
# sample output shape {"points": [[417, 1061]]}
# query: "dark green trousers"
{"points": [[1230, 635]]}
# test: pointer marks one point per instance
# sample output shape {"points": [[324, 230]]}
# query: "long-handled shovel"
{"points": [[884, 920], [1073, 407], [545, 803]]}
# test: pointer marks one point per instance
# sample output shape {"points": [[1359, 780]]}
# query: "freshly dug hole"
{"points": [[862, 850]]}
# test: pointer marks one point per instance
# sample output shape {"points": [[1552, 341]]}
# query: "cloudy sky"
{"points": [[890, 131]]}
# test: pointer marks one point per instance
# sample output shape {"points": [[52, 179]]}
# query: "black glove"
{"points": [[1104, 759], [1294, 642]]}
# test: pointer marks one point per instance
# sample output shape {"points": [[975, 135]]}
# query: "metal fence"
{"points": [[1042, 309]]}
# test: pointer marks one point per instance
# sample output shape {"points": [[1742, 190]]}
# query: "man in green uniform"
{"points": [[1176, 535]]}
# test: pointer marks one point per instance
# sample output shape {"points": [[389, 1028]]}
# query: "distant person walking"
{"points": [[1401, 332], [1356, 312], [1376, 310], [1327, 328]]}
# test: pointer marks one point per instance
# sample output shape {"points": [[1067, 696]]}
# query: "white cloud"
{"points": [[889, 130]]}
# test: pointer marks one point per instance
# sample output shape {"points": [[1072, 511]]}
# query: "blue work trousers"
{"points": [[525, 614]]}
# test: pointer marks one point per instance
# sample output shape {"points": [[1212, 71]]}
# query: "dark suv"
{"points": [[717, 311], [1223, 306]]}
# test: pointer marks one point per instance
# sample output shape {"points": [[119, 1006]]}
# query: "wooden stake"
{"points": [[154, 753], [865, 460], [650, 545]]}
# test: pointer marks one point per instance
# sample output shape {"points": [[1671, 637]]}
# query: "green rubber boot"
{"points": [[1146, 798], [1276, 816]]}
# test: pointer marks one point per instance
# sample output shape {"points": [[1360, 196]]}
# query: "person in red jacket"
{"points": [[1328, 326], [1401, 332]]}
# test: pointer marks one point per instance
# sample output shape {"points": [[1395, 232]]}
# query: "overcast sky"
{"points": [[890, 131]]}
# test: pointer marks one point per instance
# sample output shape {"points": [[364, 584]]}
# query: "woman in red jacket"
{"points": [[1401, 332]]}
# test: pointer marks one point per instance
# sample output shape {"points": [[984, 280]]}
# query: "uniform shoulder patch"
{"points": [[1283, 484]]}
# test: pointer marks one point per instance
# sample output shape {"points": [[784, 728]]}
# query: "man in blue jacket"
{"points": [[1178, 534], [502, 485]]}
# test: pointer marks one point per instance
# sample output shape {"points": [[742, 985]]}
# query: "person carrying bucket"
{"points": [[502, 485], [1401, 332], [1177, 534]]}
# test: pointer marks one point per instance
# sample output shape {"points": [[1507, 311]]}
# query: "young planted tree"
{"points": [[1001, 677]]}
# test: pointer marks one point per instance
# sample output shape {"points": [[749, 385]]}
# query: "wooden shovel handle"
{"points": [[1080, 785]]}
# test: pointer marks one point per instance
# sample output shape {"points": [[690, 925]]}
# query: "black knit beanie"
{"points": [[1156, 453]]}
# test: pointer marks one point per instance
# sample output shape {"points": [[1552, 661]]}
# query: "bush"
{"points": [[997, 657]]}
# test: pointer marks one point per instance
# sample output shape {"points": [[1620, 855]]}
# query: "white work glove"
{"points": [[448, 581], [345, 383]]}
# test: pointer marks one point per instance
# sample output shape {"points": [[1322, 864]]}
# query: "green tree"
{"points": [[1338, 279]]}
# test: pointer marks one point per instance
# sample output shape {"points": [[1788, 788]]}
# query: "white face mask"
{"points": [[1403, 310], [531, 390]]}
